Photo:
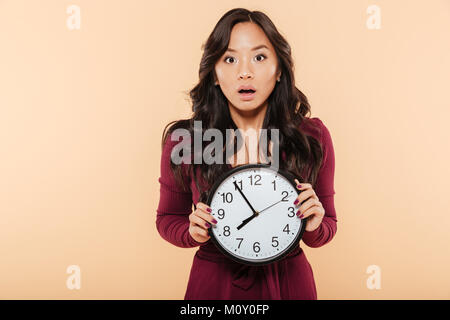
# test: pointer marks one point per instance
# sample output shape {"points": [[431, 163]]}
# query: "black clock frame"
{"points": [[212, 191]]}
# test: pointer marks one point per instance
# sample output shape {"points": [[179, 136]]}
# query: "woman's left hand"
{"points": [[310, 206]]}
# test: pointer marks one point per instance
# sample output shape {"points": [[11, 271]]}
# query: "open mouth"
{"points": [[250, 91], [246, 92]]}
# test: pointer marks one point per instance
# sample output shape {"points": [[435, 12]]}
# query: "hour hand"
{"points": [[246, 221]]}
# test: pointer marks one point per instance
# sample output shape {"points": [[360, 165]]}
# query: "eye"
{"points": [[260, 55], [227, 58]]}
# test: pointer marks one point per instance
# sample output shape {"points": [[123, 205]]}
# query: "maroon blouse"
{"points": [[215, 276]]}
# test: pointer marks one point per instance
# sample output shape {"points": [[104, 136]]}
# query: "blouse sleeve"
{"points": [[325, 192], [175, 204]]}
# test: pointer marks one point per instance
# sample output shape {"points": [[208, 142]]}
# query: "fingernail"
{"points": [[300, 216], [214, 221], [296, 201], [299, 186], [207, 225], [208, 209]]}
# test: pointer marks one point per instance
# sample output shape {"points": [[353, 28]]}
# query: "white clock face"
{"points": [[261, 237]]}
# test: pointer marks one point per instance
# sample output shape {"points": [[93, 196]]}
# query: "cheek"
{"points": [[226, 81], [223, 77], [219, 73], [269, 77], [270, 71]]}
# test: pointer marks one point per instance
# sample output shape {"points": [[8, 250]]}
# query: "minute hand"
{"points": [[245, 198]]}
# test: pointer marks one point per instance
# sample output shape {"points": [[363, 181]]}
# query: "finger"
{"points": [[205, 216], [306, 205], [314, 210], [200, 231], [199, 221], [303, 196], [303, 185], [204, 207]]}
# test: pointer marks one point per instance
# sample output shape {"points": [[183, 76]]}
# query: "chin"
{"points": [[246, 108], [249, 106]]}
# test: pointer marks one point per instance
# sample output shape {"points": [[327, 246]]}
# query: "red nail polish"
{"points": [[296, 201], [299, 186], [301, 216], [207, 225], [208, 209]]}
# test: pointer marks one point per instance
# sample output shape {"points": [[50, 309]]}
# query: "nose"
{"points": [[245, 72], [245, 75]]}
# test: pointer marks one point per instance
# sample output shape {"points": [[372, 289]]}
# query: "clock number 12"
{"points": [[257, 180]]}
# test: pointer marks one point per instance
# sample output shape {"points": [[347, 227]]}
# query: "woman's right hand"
{"points": [[200, 220]]}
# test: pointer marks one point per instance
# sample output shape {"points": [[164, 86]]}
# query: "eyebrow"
{"points": [[255, 48]]}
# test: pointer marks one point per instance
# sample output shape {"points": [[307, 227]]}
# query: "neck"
{"points": [[252, 119]]}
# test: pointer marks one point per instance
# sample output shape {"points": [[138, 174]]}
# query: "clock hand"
{"points": [[246, 221], [245, 198], [254, 215], [270, 206]]}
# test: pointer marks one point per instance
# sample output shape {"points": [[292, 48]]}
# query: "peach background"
{"points": [[82, 113]]}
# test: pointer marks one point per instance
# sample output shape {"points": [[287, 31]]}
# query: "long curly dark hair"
{"points": [[287, 107]]}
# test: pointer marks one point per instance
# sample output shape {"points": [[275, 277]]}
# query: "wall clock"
{"points": [[255, 212]]}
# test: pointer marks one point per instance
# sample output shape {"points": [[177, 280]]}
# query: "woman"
{"points": [[245, 49]]}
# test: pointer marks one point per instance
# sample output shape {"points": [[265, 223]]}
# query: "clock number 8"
{"points": [[226, 231]]}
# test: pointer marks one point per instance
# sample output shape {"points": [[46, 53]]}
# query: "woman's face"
{"points": [[249, 60]]}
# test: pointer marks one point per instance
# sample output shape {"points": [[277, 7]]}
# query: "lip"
{"points": [[246, 87], [246, 96]]}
